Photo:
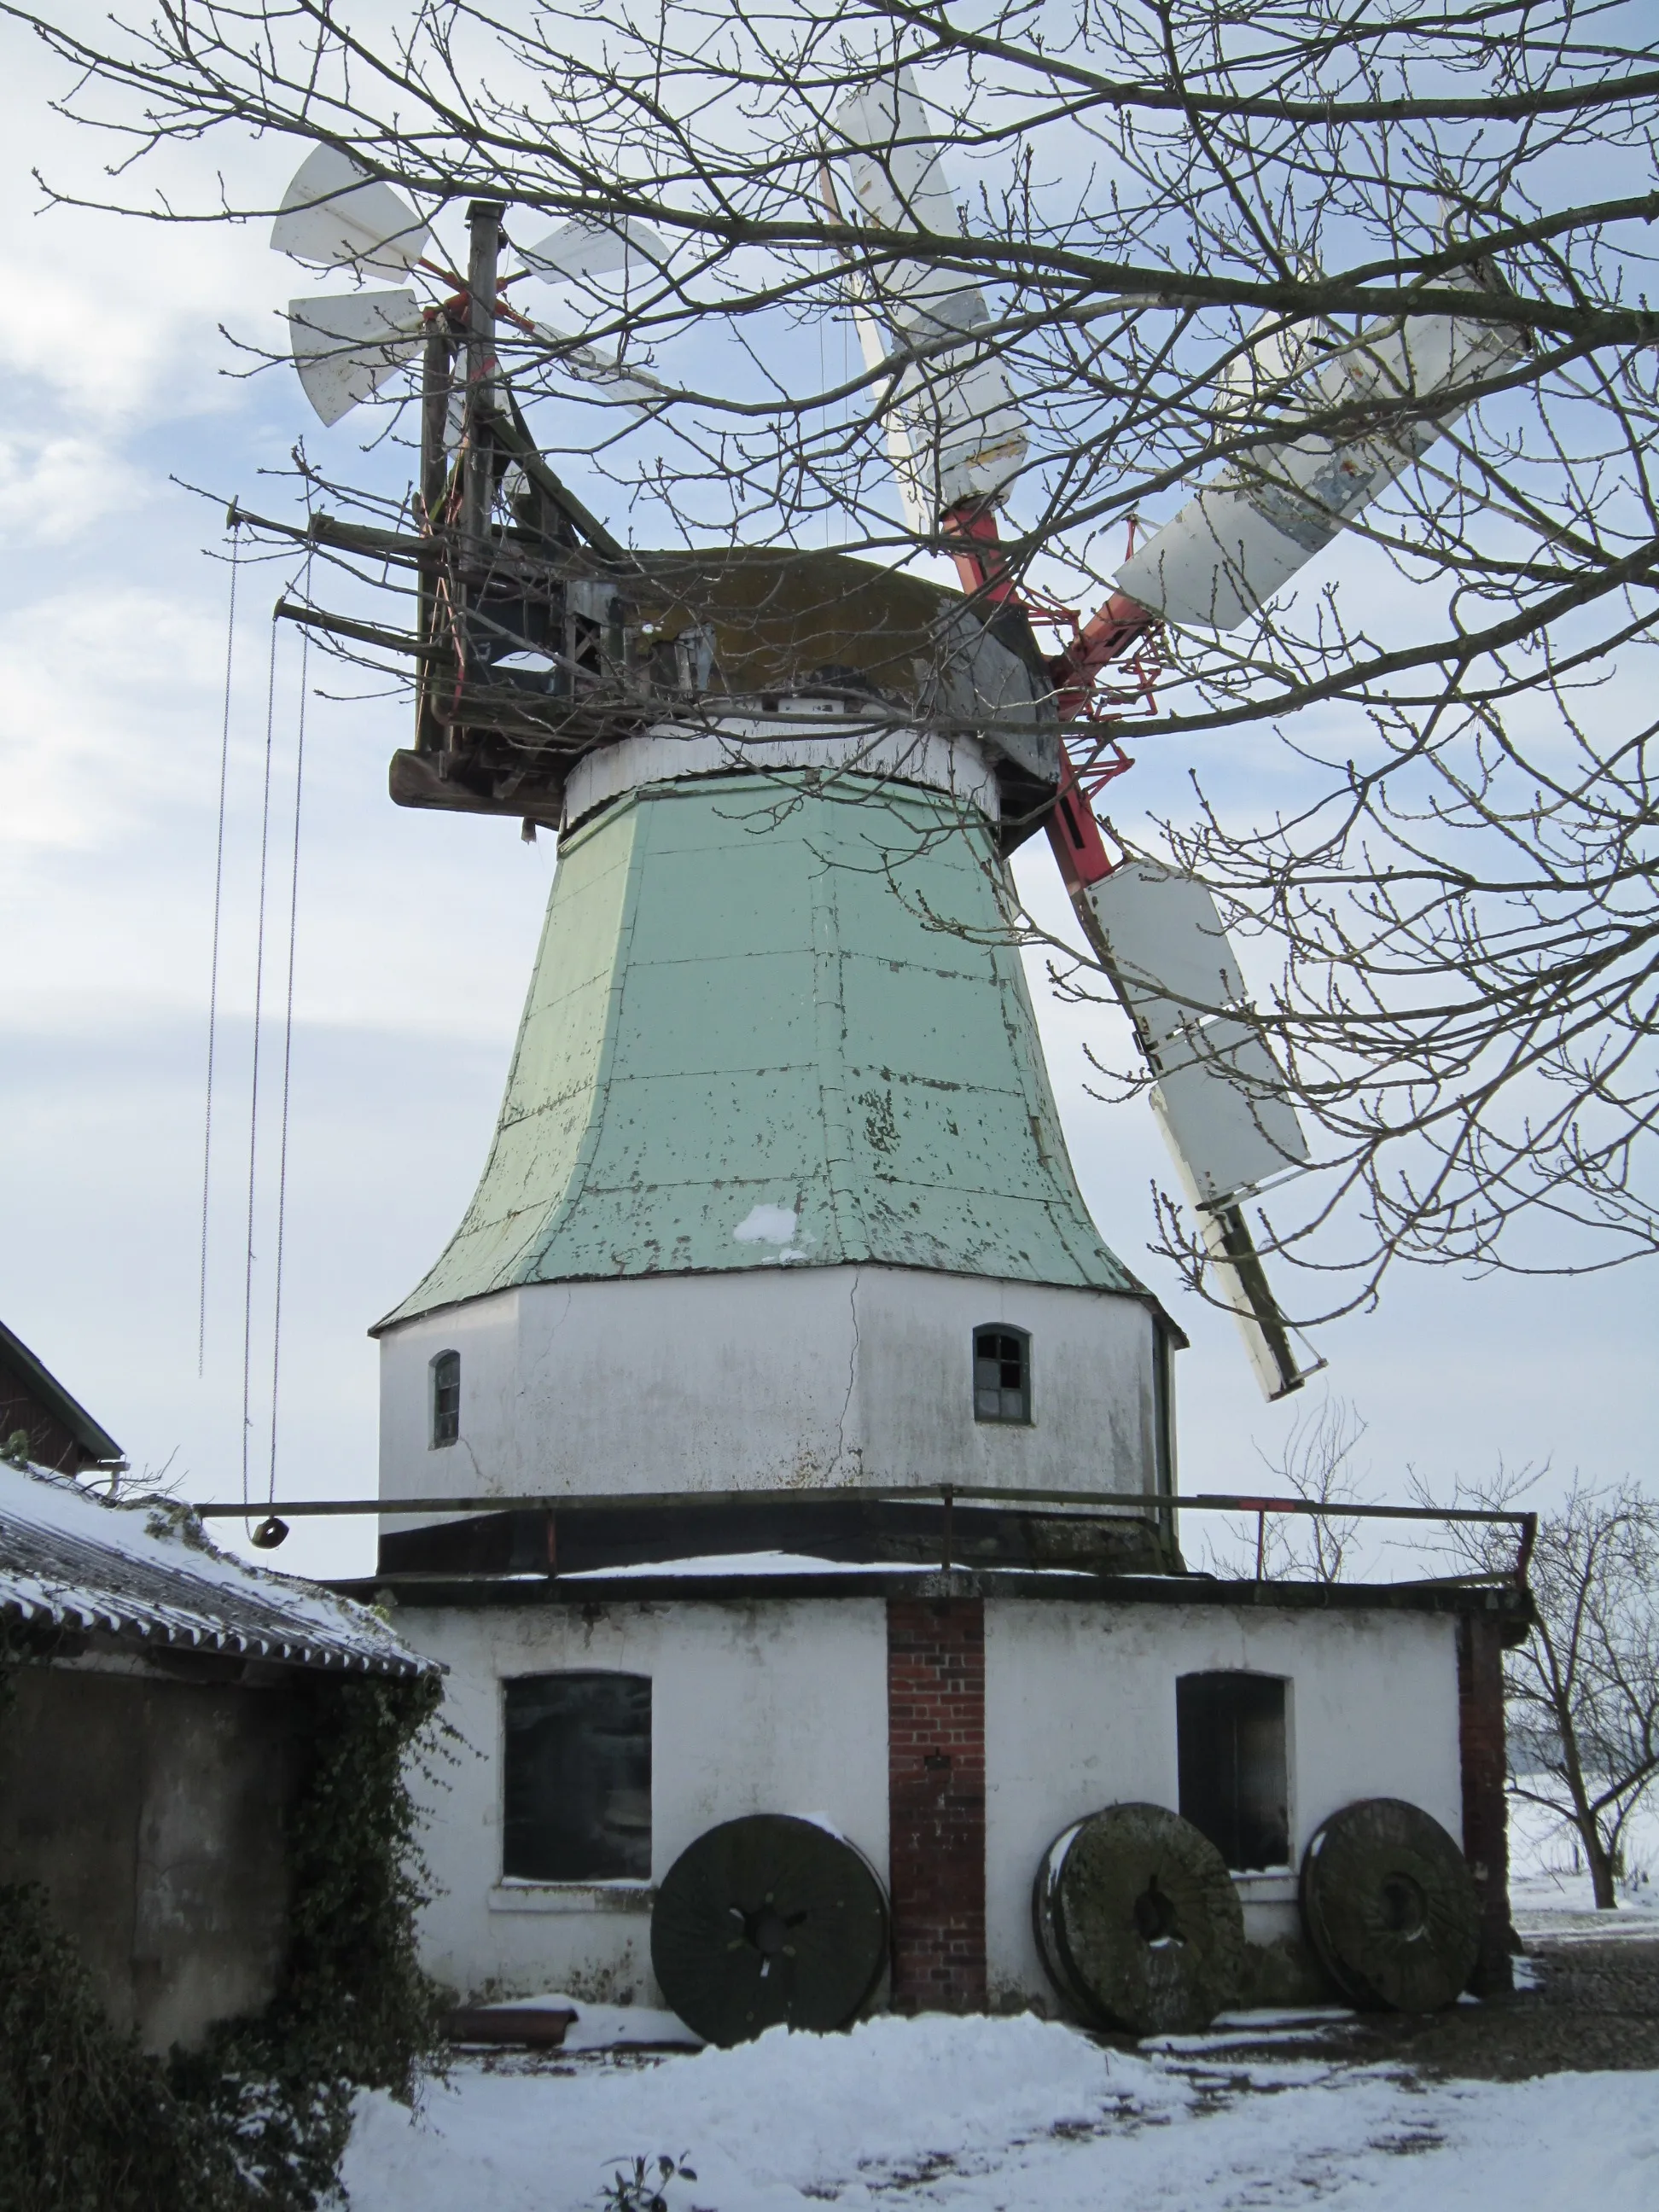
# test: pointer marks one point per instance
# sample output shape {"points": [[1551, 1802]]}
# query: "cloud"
{"points": [[52, 491]]}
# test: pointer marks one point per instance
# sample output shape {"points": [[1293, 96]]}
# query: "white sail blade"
{"points": [[335, 216], [1223, 1112], [954, 434], [347, 344], [1220, 1099], [581, 249], [1164, 946], [591, 364], [1241, 538]]}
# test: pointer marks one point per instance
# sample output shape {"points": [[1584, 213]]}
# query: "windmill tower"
{"points": [[777, 1259]]}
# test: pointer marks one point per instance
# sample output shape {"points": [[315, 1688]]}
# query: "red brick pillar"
{"points": [[1485, 1810], [936, 1802]]}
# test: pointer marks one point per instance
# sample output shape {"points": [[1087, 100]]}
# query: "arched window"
{"points": [[1002, 1374], [576, 1786], [446, 1398], [1230, 1731]]}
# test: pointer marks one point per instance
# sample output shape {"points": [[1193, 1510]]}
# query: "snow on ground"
{"points": [[1550, 1891], [1006, 2116]]}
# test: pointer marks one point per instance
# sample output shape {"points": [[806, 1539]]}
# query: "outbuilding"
{"points": [[160, 1703]]}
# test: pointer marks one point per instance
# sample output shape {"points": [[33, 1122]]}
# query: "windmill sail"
{"points": [[1241, 538], [954, 432], [1219, 1098]]}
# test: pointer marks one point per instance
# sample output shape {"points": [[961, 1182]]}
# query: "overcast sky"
{"points": [[415, 938]]}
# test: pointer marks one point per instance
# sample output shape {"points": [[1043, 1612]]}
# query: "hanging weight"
{"points": [[769, 1919], [1138, 1921], [1390, 1907]]}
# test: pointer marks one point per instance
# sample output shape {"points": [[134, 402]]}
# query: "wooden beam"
{"points": [[390, 641]]}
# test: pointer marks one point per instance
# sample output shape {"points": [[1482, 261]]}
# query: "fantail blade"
{"points": [[583, 249], [334, 216], [347, 343]]}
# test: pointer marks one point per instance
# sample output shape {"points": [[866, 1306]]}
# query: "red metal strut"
{"points": [[972, 540]]}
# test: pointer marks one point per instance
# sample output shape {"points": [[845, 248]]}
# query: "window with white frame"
{"points": [[445, 1393], [1002, 1374]]}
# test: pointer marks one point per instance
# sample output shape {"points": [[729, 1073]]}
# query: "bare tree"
{"points": [[1205, 241], [1314, 1463], [1582, 1691]]}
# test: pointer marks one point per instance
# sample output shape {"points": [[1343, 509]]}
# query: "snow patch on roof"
{"points": [[146, 1569]]}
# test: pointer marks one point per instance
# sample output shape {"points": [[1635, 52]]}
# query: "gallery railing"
{"points": [[963, 1524]]}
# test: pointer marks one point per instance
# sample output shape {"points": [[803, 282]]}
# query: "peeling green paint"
{"points": [[759, 997]]}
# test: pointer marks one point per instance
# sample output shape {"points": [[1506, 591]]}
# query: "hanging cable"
{"points": [[218, 910], [288, 1052], [253, 1091]]}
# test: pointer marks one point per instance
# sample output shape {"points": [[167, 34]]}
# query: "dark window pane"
{"points": [[1002, 1375], [447, 1398], [577, 1793], [1230, 1735]]}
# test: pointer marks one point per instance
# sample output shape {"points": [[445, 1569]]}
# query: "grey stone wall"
{"points": [[152, 1813]]}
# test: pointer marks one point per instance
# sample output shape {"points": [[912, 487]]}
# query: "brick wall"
{"points": [[936, 1802], [1486, 1813]]}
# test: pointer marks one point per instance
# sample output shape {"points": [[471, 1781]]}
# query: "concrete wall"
{"points": [[781, 1706], [772, 1378], [763, 1707], [1080, 1712], [152, 1812]]}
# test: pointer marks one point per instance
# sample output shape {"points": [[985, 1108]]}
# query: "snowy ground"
{"points": [[978, 2114], [1025, 2116], [1549, 1891]]}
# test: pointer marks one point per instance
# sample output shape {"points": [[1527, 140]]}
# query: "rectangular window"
{"points": [[1002, 1375], [577, 1787], [446, 1398], [1230, 1735]]}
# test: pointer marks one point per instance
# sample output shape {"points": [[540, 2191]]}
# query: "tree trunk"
{"points": [[1601, 1868]]}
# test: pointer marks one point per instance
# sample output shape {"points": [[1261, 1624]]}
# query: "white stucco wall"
{"points": [[766, 1707], [775, 1704], [772, 1378], [1080, 1712]]}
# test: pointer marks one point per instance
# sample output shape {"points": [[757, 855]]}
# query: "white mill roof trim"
{"points": [[146, 1572], [753, 746]]}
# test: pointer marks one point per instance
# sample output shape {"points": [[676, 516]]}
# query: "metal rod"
{"points": [[1137, 1504]]}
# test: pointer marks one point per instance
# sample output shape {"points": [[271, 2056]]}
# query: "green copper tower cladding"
{"points": [[774, 1022]]}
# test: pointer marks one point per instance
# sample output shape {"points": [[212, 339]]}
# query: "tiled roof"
{"points": [[147, 1572]]}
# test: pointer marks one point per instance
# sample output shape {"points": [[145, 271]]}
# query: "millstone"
{"points": [[1390, 1907], [1138, 1921], [769, 1919]]}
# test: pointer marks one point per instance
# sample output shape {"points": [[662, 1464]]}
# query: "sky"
{"points": [[414, 940]]}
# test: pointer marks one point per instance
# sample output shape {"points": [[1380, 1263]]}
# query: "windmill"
{"points": [[957, 443], [777, 1248], [539, 638]]}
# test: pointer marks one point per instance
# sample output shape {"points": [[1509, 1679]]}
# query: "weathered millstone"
{"points": [[1138, 1921], [769, 1919], [1390, 1907]]}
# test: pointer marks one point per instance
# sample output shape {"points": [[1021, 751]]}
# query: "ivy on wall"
{"points": [[257, 2120]]}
